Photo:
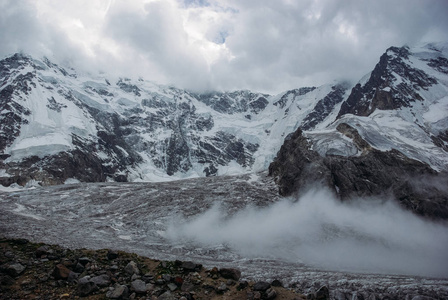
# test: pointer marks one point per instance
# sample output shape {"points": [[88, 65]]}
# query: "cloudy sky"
{"points": [[261, 45]]}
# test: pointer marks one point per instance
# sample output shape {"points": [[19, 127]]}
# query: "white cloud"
{"points": [[221, 44]]}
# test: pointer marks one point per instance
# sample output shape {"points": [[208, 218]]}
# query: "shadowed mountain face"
{"points": [[374, 173]]}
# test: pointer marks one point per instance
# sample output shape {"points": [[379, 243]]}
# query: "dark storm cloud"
{"points": [[223, 44]]}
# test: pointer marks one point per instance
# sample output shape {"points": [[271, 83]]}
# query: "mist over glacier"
{"points": [[366, 235]]}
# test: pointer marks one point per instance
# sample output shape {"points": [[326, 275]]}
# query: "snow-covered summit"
{"points": [[57, 123], [96, 129]]}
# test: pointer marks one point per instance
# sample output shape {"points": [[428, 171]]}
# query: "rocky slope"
{"points": [[387, 140], [39, 271], [383, 174]]}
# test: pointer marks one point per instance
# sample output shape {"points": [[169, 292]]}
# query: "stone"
{"points": [[6, 280], [277, 283], [138, 286], [149, 287], [242, 285], [13, 269], [41, 251], [166, 296], [166, 277], [84, 260], [269, 294], [134, 277], [172, 286], [60, 272], [111, 254], [86, 287], [101, 280], [261, 286], [322, 293], [222, 288], [132, 268], [230, 273], [189, 266], [187, 286], [79, 268], [72, 277], [118, 292], [340, 295]]}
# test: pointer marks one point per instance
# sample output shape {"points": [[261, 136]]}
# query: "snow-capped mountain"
{"points": [[58, 124]]}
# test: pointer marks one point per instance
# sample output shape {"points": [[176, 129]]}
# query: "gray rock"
{"points": [[187, 286], [79, 268], [340, 295], [222, 288], [276, 282], [86, 287], [138, 286], [166, 296], [13, 268], [270, 294], [261, 286], [118, 292], [166, 277], [101, 280], [42, 250], [172, 286], [84, 260], [230, 273], [111, 254], [132, 268], [149, 287], [323, 293], [72, 277], [134, 277], [422, 298], [189, 266]]}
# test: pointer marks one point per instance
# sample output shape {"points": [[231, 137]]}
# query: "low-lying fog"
{"points": [[368, 235]]}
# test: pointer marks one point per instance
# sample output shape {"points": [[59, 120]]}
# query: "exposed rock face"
{"points": [[325, 106], [374, 173], [384, 89], [296, 166]]}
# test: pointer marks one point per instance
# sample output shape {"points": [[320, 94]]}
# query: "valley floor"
{"points": [[224, 222]]}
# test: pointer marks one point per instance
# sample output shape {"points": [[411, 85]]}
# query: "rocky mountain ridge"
{"points": [[59, 125]]}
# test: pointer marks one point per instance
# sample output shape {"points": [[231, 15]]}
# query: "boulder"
{"points": [[230, 273], [138, 286], [132, 268], [86, 287], [61, 272], [261, 286], [101, 280], [118, 292], [13, 269]]}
